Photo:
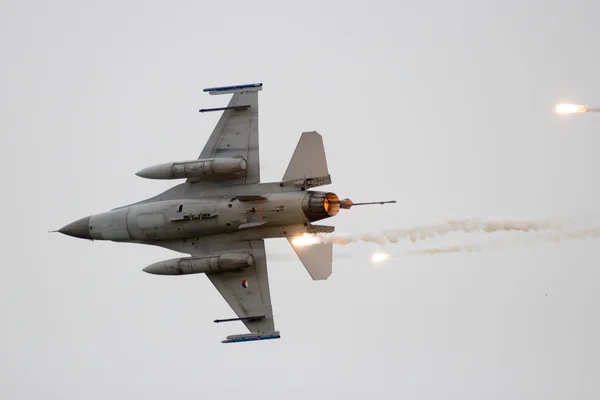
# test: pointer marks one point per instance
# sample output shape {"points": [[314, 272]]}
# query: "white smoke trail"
{"points": [[434, 251], [548, 237], [424, 232], [468, 226]]}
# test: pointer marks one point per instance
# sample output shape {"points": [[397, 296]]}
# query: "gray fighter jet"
{"points": [[222, 213]]}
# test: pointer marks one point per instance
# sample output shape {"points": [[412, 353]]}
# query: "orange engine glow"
{"points": [[320, 205], [331, 204]]}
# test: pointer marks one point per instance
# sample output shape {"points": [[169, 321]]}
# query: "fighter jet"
{"points": [[222, 213]]}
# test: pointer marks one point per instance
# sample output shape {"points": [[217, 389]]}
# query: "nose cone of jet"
{"points": [[153, 269], [79, 229]]}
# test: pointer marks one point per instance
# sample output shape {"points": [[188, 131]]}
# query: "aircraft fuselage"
{"points": [[192, 218]]}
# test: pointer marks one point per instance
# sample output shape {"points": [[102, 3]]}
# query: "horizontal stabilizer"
{"points": [[308, 160], [250, 337], [317, 258]]}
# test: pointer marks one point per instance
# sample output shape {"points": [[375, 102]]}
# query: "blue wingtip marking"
{"points": [[223, 88]]}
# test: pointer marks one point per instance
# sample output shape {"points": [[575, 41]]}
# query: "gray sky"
{"points": [[444, 106]]}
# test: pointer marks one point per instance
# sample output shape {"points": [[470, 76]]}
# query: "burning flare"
{"points": [[379, 257], [305, 240], [570, 108]]}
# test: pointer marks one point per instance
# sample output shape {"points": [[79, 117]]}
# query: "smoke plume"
{"points": [[424, 232], [539, 238]]}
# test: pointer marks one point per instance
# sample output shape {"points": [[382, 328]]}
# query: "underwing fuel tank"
{"points": [[209, 169], [200, 265]]}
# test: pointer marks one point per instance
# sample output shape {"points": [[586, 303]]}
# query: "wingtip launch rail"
{"points": [[251, 87], [251, 337]]}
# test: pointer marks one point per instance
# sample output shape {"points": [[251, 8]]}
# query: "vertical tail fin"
{"points": [[309, 159], [317, 259]]}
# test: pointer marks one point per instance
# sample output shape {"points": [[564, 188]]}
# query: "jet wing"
{"points": [[247, 290], [236, 134]]}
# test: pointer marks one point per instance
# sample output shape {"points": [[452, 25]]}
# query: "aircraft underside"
{"points": [[221, 215]]}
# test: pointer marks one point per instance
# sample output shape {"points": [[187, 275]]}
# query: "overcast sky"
{"points": [[445, 106]]}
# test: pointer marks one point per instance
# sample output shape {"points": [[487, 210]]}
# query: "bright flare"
{"points": [[570, 108], [379, 257], [305, 240]]}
